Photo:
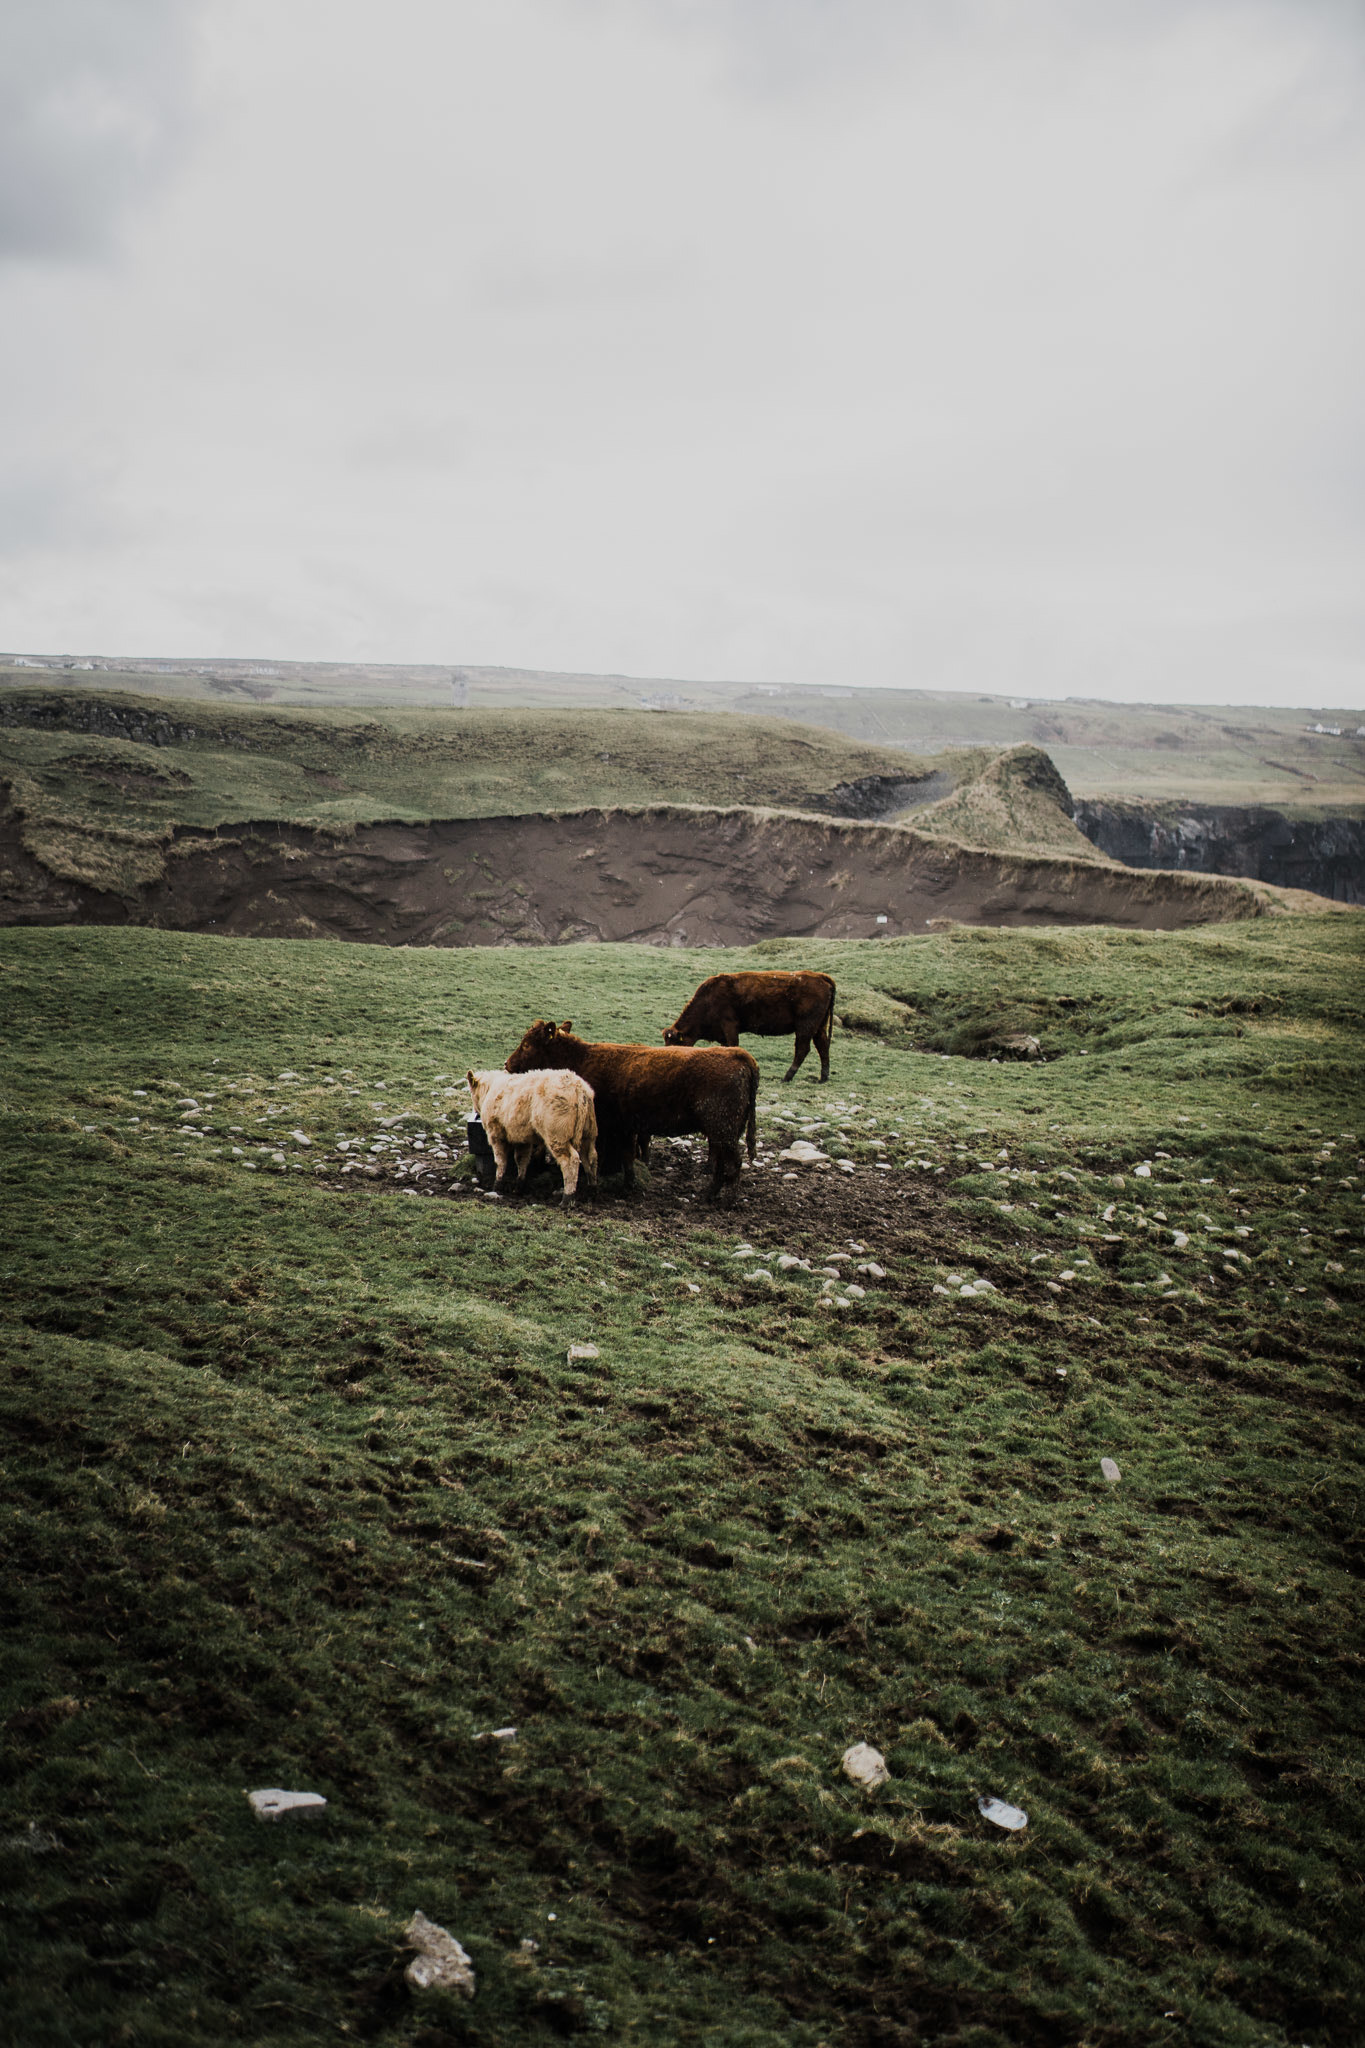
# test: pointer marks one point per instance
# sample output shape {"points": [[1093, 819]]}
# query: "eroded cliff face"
{"points": [[1326, 855], [664, 875]]}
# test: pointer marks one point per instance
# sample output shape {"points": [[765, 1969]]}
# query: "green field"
{"points": [[303, 1488], [1206, 754], [102, 805]]}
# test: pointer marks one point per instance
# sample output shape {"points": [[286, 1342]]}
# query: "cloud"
{"points": [[957, 344], [94, 105]]}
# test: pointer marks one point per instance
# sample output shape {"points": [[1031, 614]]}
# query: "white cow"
{"points": [[551, 1105]]}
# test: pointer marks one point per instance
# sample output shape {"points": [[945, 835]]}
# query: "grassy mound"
{"points": [[302, 1487], [1012, 801]]}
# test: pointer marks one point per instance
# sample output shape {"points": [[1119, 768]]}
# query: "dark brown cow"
{"points": [[640, 1092], [769, 1004]]}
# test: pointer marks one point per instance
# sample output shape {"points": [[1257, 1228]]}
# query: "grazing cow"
{"points": [[555, 1109], [769, 1004], [641, 1092]]}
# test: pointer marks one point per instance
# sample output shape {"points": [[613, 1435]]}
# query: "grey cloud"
{"points": [[93, 109]]}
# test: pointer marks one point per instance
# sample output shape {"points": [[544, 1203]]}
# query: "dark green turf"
{"points": [[301, 1488]]}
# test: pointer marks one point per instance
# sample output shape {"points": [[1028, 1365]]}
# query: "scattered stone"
{"points": [[803, 1153], [440, 1964], [1002, 1813], [1143, 1172], [587, 1350], [865, 1765], [787, 1261], [1067, 1273], [1110, 1471], [302, 1137], [758, 1274], [273, 1804], [873, 1270]]}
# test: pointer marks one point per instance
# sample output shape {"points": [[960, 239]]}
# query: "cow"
{"points": [[768, 1004], [554, 1109], [641, 1092]]}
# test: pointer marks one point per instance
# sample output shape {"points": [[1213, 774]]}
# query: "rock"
{"points": [[273, 1804], [865, 1765], [1143, 1172], [585, 1350], [787, 1261], [873, 1270], [803, 1153], [860, 1293], [302, 1137], [440, 1964], [1002, 1813], [758, 1274], [1110, 1471]]}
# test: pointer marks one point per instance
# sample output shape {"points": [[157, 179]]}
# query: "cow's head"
{"points": [[673, 1036], [533, 1048]]}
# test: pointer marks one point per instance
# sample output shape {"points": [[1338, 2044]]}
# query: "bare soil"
{"points": [[664, 875]]}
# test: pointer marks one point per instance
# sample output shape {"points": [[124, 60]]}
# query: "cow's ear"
{"points": [[567, 1025], [469, 1076]]}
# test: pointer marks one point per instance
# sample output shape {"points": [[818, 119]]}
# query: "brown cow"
{"points": [[769, 1004], [640, 1092]]}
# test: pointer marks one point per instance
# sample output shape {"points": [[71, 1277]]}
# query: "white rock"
{"points": [[1143, 1172], [865, 1765], [967, 1291], [873, 1270], [587, 1350], [1180, 1238], [1110, 1471], [787, 1260], [803, 1153], [1002, 1813], [1067, 1273], [302, 1137], [758, 1274], [845, 1166], [860, 1293], [985, 1287], [273, 1804], [440, 1964]]}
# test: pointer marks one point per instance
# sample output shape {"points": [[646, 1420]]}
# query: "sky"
{"points": [[942, 344]]}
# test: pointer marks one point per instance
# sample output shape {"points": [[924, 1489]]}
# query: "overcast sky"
{"points": [[930, 343]]}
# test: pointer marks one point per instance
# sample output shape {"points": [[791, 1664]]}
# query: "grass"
{"points": [[302, 1488], [99, 806], [1218, 754]]}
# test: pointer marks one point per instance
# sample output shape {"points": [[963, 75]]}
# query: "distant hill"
{"points": [[1200, 754]]}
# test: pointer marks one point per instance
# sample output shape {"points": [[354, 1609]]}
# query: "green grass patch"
{"points": [[302, 1488]]}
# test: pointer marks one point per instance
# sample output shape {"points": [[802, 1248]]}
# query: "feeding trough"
{"points": [[476, 1139]]}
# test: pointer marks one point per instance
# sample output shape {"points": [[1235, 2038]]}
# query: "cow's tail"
{"points": [[751, 1128], [829, 1014]]}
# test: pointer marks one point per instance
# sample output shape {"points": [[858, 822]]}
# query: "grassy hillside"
{"points": [[1014, 801], [207, 766], [302, 1487], [1229, 754]]}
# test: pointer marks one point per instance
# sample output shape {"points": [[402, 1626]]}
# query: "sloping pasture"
{"points": [[301, 1487]]}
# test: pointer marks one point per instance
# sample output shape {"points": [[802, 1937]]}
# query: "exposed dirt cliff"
{"points": [[674, 874]]}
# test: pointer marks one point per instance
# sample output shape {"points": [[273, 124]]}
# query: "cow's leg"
{"points": [[802, 1048], [502, 1159], [729, 1032], [568, 1163], [589, 1157], [822, 1042], [524, 1155], [726, 1172]]}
